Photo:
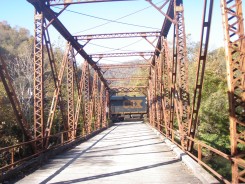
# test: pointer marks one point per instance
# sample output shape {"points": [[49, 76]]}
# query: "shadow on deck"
{"points": [[127, 152]]}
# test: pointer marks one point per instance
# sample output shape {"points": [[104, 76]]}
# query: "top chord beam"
{"points": [[124, 66], [69, 2], [128, 54], [117, 35]]}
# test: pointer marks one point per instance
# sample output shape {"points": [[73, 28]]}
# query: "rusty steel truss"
{"points": [[81, 94], [235, 50], [38, 80], [117, 35], [127, 54]]}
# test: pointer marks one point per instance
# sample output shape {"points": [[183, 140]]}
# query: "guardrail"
{"points": [[14, 156], [200, 149]]}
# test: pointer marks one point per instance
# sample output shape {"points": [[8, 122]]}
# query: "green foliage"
{"points": [[213, 126], [220, 165], [16, 49], [12, 39], [213, 115]]}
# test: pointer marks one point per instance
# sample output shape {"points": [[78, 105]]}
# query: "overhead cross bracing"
{"points": [[58, 2], [124, 66], [117, 35], [131, 78], [152, 61], [143, 54]]}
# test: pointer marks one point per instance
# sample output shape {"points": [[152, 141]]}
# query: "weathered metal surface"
{"points": [[55, 98], [38, 80], [117, 35], [126, 54], [70, 95], [235, 49], [95, 102], [70, 2], [51, 16], [124, 66], [126, 78], [127, 89], [183, 100], [86, 88], [53, 66]]}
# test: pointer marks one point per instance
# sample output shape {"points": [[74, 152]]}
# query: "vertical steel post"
{"points": [[149, 102], [157, 93], [152, 96], [235, 60], [107, 110], [182, 91], [79, 106], [38, 80], [173, 85], [159, 110], [166, 101], [70, 93], [86, 91], [99, 105], [102, 104], [94, 101]]}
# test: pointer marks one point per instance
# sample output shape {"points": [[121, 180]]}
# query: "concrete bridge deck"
{"points": [[126, 153]]}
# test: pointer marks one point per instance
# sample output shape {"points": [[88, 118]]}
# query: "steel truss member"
{"points": [[70, 94], [235, 59], [182, 101], [53, 66], [38, 81], [206, 26], [56, 94], [166, 101], [79, 106], [86, 90], [127, 89], [95, 102], [158, 82], [103, 105]]}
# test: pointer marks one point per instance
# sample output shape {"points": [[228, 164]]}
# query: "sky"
{"points": [[79, 20]]}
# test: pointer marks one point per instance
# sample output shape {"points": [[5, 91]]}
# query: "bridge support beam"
{"points": [[182, 100], [235, 59], [55, 98], [53, 66], [86, 88], [70, 95], [38, 81], [166, 100]]}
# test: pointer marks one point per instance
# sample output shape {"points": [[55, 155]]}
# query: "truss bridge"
{"points": [[71, 136]]}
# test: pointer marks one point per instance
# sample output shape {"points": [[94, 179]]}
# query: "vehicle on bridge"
{"points": [[127, 107]]}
